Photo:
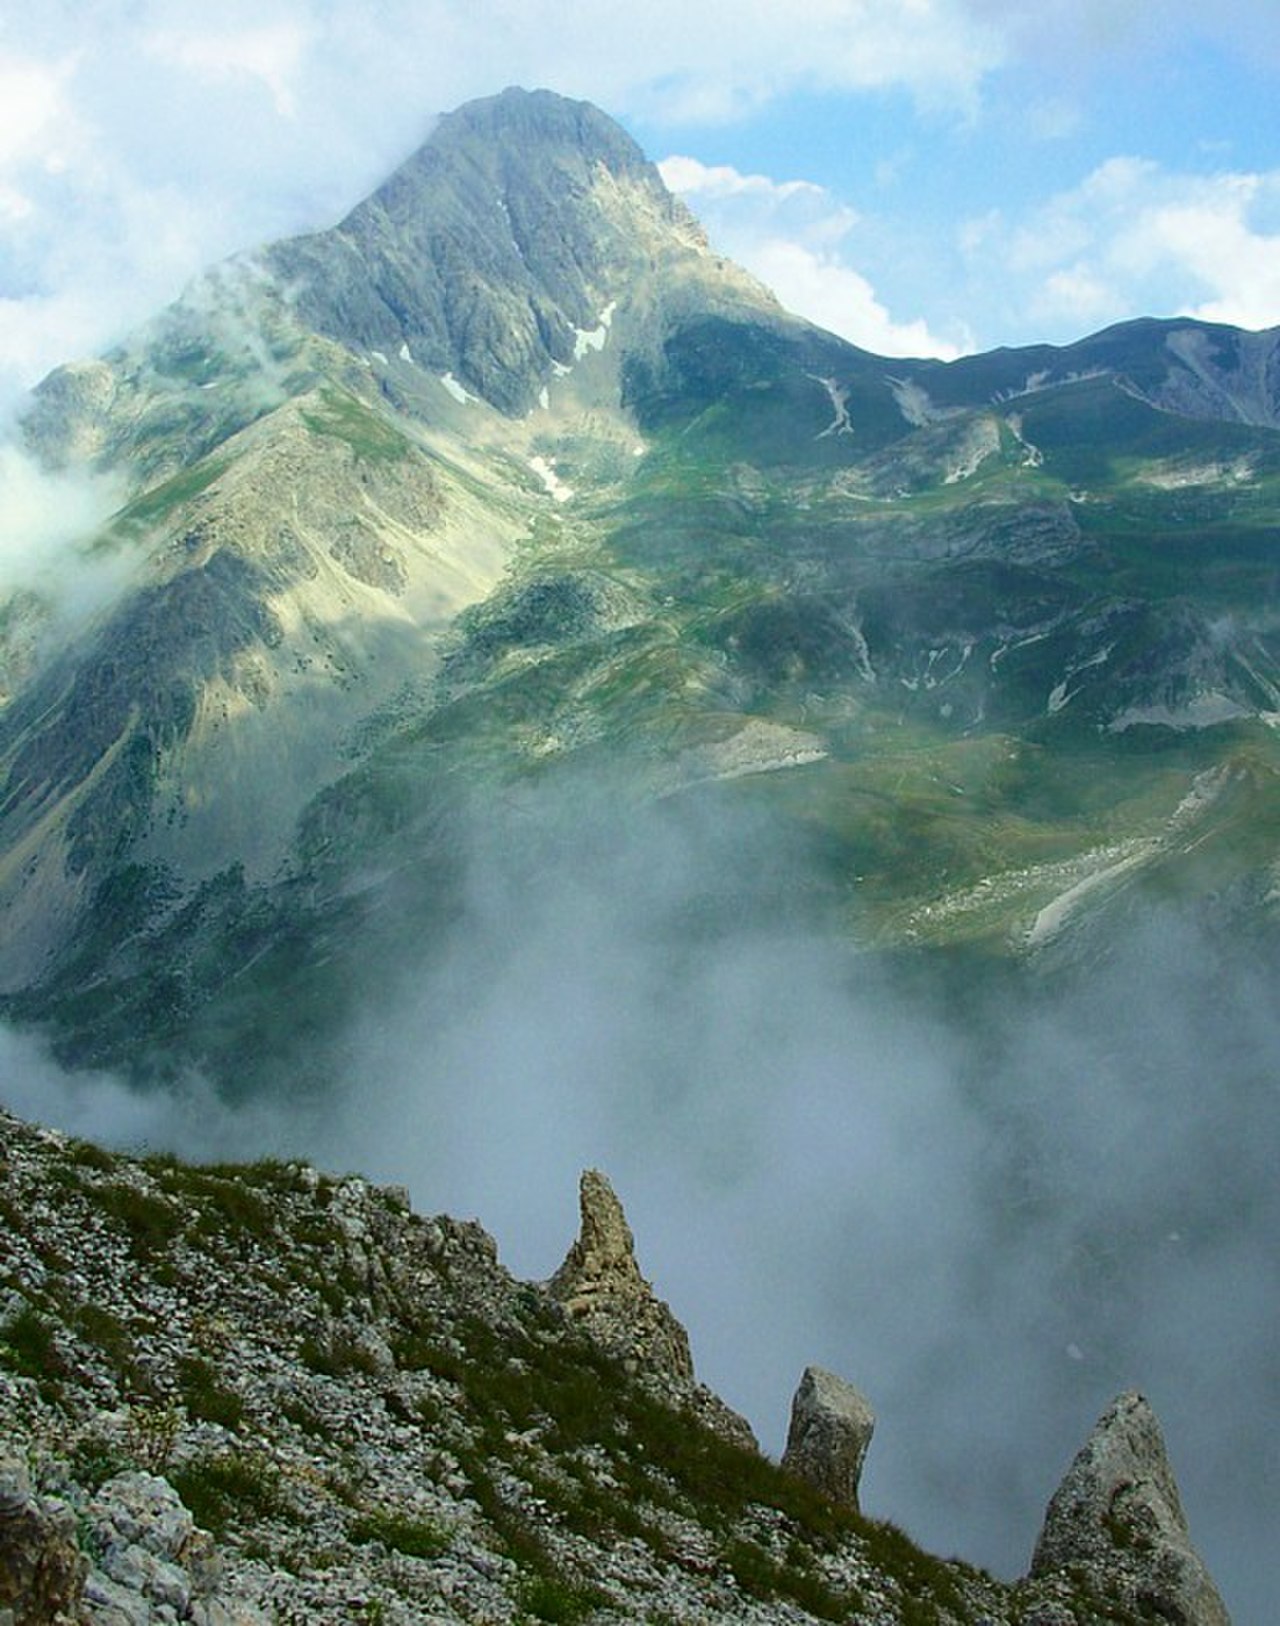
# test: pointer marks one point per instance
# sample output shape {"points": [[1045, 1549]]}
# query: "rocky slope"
{"points": [[244, 1395]]}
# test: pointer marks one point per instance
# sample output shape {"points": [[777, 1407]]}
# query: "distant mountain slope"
{"points": [[508, 479]]}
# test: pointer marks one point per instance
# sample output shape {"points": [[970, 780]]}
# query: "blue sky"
{"points": [[924, 176]]}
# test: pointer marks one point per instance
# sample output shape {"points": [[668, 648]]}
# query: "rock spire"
{"points": [[600, 1285], [1117, 1515]]}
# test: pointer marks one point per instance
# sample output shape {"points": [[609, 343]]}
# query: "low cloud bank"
{"points": [[991, 1210]]}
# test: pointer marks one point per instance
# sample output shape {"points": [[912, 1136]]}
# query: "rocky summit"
{"points": [[244, 1395]]}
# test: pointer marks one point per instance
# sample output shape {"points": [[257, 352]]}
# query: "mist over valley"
{"points": [[486, 693]]}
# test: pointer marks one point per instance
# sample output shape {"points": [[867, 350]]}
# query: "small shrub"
{"points": [[28, 1346], [88, 1156], [151, 1222], [95, 1458], [205, 1396], [414, 1537], [555, 1599], [153, 1432], [221, 1486], [337, 1353], [307, 1418], [108, 1334]]}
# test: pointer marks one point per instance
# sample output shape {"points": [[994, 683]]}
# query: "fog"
{"points": [[991, 1206]]}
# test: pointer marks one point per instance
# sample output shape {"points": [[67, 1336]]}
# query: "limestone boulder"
{"points": [[831, 1428], [600, 1285], [42, 1570]]}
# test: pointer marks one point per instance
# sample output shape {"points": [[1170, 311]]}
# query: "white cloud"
{"points": [[793, 236], [271, 53], [1069, 35], [1133, 236], [31, 104]]}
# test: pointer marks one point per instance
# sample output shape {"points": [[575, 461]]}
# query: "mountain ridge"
{"points": [[272, 1394]]}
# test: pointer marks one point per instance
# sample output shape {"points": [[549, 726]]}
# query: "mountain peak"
{"points": [[499, 248]]}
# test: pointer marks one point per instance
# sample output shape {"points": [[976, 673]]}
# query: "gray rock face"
{"points": [[1117, 1515], [600, 1285], [488, 253], [831, 1428], [42, 1570]]}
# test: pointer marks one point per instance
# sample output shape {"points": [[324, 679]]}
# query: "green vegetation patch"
{"points": [[28, 1346], [150, 1222], [223, 1487], [204, 1394], [402, 1533], [157, 504], [340, 416]]}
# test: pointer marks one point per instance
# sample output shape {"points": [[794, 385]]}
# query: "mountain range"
{"points": [[508, 641], [509, 479]]}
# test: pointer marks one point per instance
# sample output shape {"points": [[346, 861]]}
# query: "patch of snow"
{"points": [[839, 399], [1058, 695], [585, 341], [639, 451], [544, 398], [997, 655], [379, 357], [560, 370], [554, 484], [456, 390], [404, 354]]}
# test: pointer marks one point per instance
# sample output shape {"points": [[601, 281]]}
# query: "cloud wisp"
{"points": [[1128, 232]]}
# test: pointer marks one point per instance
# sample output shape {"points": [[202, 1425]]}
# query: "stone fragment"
{"points": [[1118, 1516], [831, 1428]]}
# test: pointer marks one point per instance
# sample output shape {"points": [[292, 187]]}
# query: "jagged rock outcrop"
{"points": [[262, 1395], [831, 1428], [600, 1285], [1117, 1515], [42, 1570]]}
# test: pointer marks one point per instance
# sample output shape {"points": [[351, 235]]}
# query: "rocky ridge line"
{"points": [[260, 1394]]}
